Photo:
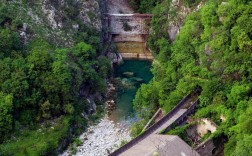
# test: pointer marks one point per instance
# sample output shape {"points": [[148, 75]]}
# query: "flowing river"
{"points": [[111, 131]]}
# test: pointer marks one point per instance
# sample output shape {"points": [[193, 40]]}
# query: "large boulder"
{"points": [[115, 57]]}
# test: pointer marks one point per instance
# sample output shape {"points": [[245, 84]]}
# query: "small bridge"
{"points": [[130, 33], [176, 116]]}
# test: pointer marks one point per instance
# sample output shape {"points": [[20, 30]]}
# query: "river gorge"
{"points": [[125, 78], [113, 129]]}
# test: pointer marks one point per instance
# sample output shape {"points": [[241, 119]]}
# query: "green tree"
{"points": [[6, 118], [83, 51], [10, 41]]}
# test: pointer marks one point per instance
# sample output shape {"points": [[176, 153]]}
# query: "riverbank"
{"points": [[101, 139], [113, 128]]}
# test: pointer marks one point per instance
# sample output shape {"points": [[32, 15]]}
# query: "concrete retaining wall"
{"points": [[138, 23], [125, 29], [140, 56], [206, 148]]}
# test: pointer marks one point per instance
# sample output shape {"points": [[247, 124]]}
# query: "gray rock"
{"points": [[128, 74], [138, 79]]}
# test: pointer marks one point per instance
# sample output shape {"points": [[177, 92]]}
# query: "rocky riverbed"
{"points": [[101, 139], [113, 129]]}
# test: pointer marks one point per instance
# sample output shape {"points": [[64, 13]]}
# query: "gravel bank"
{"points": [[101, 139]]}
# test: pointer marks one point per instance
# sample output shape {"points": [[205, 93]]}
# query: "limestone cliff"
{"points": [[177, 13], [58, 21]]}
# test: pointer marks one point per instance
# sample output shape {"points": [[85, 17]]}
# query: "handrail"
{"points": [[155, 126], [152, 119]]}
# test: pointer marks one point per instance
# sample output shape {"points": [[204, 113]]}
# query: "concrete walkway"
{"points": [[170, 121]]}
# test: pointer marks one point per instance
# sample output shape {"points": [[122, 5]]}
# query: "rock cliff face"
{"points": [[58, 21], [181, 11], [56, 13]]}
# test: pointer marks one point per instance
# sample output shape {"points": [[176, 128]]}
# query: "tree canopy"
{"points": [[212, 50]]}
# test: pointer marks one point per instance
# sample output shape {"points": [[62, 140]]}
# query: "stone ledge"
{"points": [[130, 38], [143, 56]]}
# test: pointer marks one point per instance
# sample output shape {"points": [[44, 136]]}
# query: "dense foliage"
{"points": [[213, 50], [144, 6], [40, 83]]}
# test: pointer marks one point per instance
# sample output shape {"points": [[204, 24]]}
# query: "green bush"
{"points": [[42, 141], [137, 128], [6, 117], [181, 132]]}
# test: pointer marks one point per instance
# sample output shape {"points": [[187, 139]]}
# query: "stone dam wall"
{"points": [[130, 33]]}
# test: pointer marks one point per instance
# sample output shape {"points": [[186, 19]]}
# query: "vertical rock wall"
{"points": [[58, 21]]}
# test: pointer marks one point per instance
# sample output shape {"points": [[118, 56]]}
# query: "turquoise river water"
{"points": [[129, 77]]}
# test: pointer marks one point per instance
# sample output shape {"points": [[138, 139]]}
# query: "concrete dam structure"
{"points": [[130, 33]]}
